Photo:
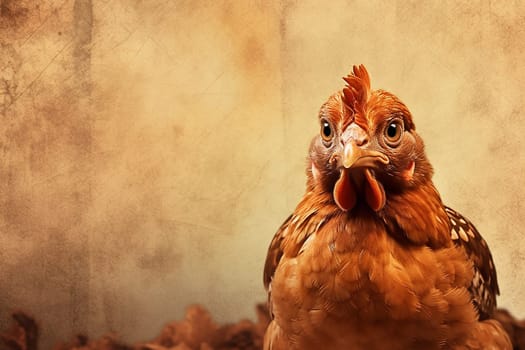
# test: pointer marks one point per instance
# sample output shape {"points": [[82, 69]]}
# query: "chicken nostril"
{"points": [[362, 141], [358, 142], [356, 135]]}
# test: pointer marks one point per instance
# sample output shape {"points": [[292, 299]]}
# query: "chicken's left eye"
{"points": [[326, 130], [393, 133]]}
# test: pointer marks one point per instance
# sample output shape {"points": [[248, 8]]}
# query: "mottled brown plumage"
{"points": [[371, 258], [484, 286]]}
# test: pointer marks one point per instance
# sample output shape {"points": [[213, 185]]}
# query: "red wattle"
{"points": [[374, 192], [344, 192]]}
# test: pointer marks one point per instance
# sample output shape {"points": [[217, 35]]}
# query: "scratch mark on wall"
{"points": [[38, 75], [42, 23]]}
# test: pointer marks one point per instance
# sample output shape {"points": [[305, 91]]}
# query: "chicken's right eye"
{"points": [[326, 131]]}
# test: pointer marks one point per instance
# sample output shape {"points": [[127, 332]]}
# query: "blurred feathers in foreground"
{"points": [[197, 331]]}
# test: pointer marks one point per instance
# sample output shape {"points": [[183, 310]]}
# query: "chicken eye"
{"points": [[393, 133], [326, 131]]}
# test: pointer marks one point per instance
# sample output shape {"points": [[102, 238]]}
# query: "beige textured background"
{"points": [[150, 149]]}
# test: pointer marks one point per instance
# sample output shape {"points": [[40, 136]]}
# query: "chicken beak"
{"points": [[357, 157]]}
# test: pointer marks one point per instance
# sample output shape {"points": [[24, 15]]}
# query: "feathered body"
{"points": [[371, 258]]}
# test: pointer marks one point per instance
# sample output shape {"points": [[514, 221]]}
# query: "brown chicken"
{"points": [[371, 258]]}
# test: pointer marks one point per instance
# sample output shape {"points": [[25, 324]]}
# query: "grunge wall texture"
{"points": [[150, 149]]}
